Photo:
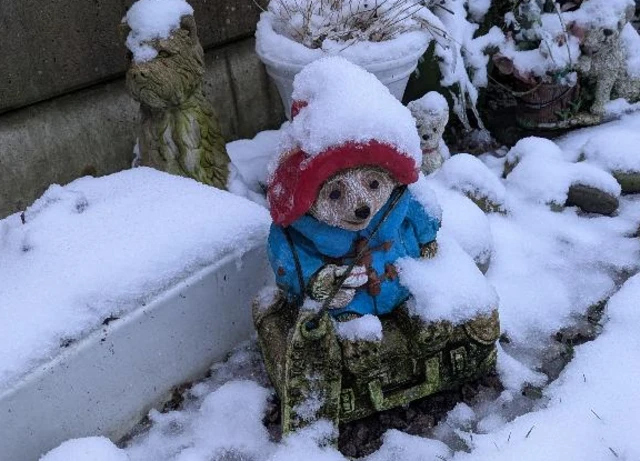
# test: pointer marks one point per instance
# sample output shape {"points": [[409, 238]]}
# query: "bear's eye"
{"points": [[163, 54], [374, 184], [335, 194]]}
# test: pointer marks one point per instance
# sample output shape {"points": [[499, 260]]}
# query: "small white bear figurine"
{"points": [[431, 113]]}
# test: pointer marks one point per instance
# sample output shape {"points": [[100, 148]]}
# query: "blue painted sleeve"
{"points": [[283, 263], [425, 226]]}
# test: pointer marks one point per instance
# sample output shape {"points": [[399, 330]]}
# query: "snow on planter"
{"points": [[278, 40], [100, 247], [150, 20]]}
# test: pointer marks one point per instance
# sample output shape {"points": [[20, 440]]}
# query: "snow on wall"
{"points": [[100, 247]]}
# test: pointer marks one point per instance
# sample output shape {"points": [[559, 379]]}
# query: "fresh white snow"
{"points": [[367, 328], [150, 20], [100, 247], [346, 103], [448, 286]]}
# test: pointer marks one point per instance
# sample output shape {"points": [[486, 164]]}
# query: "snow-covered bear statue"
{"points": [[349, 205], [339, 196], [432, 115], [603, 63]]}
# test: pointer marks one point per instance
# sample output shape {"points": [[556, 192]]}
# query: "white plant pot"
{"points": [[394, 74]]}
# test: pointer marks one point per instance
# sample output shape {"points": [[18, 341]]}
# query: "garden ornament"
{"points": [[603, 64], [432, 115], [341, 218], [179, 131]]}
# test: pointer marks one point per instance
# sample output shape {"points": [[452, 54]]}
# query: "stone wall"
{"points": [[64, 111], [48, 48]]}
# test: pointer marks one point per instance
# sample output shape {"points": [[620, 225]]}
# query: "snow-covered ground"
{"points": [[547, 267], [100, 247]]}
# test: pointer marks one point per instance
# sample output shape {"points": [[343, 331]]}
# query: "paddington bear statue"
{"points": [[337, 338]]}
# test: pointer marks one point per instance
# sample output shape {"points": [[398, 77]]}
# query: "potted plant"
{"points": [[386, 37], [537, 64]]}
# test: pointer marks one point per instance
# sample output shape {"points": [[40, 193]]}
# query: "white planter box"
{"points": [[105, 383]]}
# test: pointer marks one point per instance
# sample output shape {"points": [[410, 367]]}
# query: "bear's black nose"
{"points": [[363, 212]]}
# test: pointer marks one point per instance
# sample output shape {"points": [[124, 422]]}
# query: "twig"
{"points": [[529, 433]]}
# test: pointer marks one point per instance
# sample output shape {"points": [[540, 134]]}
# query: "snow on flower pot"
{"points": [[391, 60]]}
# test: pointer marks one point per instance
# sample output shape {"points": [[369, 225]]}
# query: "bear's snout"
{"points": [[363, 212]]}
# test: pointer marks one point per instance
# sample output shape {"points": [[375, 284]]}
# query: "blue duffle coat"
{"points": [[406, 228]]}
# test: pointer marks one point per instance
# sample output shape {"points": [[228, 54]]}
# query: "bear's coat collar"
{"points": [[336, 242]]}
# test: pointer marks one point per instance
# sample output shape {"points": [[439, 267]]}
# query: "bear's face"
{"points": [[351, 198], [430, 123], [169, 79], [597, 39]]}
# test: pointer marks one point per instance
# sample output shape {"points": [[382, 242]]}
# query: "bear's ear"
{"points": [[188, 23]]}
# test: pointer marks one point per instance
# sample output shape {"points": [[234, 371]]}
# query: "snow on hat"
{"points": [[343, 117]]}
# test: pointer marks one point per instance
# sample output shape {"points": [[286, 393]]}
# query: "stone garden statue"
{"points": [[603, 64], [338, 340], [179, 131], [432, 115]]}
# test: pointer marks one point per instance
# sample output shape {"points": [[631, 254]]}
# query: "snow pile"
{"points": [[100, 247], [622, 156], [90, 448], [398, 446], [543, 176], [514, 375], [547, 267], [448, 286], [153, 20], [346, 103], [367, 328], [620, 133], [467, 174], [552, 56], [422, 191], [590, 412], [466, 223]]}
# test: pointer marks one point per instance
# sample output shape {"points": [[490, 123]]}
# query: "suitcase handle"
{"points": [[395, 399]]}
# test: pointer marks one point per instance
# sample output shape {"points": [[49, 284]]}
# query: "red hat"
{"points": [[343, 117], [295, 184]]}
